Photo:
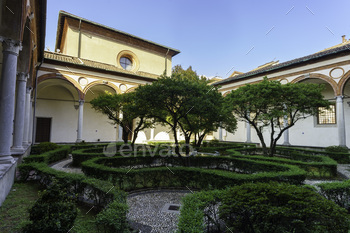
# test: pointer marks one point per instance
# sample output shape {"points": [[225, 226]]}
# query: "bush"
{"points": [[44, 147], [338, 192], [97, 192], [219, 171], [337, 156], [61, 152], [336, 149], [277, 207], [199, 212], [315, 165], [113, 218], [54, 211]]}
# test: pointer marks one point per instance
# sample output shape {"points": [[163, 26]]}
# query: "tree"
{"points": [[186, 102], [113, 105], [265, 104]]}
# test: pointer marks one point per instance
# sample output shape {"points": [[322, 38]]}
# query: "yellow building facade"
{"points": [[90, 59]]}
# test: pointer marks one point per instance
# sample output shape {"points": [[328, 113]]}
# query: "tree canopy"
{"points": [[265, 104], [186, 102], [124, 111]]}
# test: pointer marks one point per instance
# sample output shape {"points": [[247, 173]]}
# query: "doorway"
{"points": [[43, 129]]}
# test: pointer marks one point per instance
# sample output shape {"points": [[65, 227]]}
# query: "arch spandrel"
{"points": [[323, 77]]}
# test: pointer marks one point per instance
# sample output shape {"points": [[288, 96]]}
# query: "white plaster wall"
{"points": [[240, 135], [97, 126], [307, 133], [64, 119]]}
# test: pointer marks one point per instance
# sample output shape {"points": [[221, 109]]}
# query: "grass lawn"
{"points": [[14, 211]]}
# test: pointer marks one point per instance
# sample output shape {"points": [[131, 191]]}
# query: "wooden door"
{"points": [[43, 129]]}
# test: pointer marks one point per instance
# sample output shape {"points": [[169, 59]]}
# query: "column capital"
{"points": [[81, 102], [339, 98], [11, 46], [29, 90], [22, 77]]}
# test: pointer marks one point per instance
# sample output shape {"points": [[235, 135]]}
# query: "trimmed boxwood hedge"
{"points": [[315, 165], [96, 190], [153, 176], [50, 156], [339, 192], [85, 153], [343, 158], [261, 207]]}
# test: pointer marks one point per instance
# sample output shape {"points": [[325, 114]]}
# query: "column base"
{"points": [[7, 159], [248, 141], [79, 140], [286, 144], [17, 150]]}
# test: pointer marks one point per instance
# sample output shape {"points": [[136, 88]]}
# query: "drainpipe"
{"points": [[35, 98], [79, 41], [166, 62]]}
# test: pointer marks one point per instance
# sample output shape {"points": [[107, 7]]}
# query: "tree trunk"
{"points": [[200, 140], [177, 149], [136, 132], [125, 135]]}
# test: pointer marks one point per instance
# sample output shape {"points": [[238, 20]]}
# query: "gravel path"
{"points": [[150, 209], [64, 166]]}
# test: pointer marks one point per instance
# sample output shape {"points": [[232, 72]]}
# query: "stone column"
{"points": [[19, 113], [27, 118], [152, 134], [7, 97], [120, 129], [31, 123], [286, 133], [80, 121], [249, 133], [220, 134], [341, 121]]}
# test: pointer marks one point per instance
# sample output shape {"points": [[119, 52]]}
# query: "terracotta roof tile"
{"points": [[332, 50], [93, 64]]}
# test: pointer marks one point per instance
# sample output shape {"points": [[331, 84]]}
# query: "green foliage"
{"points": [[14, 210], [54, 211], [201, 172], [338, 192], [99, 192], [276, 207], [113, 105], [43, 147], [113, 218], [60, 153], [86, 153], [315, 165], [337, 149], [264, 104], [199, 211], [337, 156], [187, 103]]}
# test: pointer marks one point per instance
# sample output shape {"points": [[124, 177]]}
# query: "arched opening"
{"points": [[320, 129], [56, 111], [346, 104], [96, 126]]}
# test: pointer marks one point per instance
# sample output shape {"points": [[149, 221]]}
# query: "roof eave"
{"points": [[80, 66]]}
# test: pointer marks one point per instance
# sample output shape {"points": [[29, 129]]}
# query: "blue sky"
{"points": [[218, 37]]}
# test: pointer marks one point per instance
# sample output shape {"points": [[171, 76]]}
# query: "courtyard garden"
{"points": [[192, 185], [238, 189]]}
